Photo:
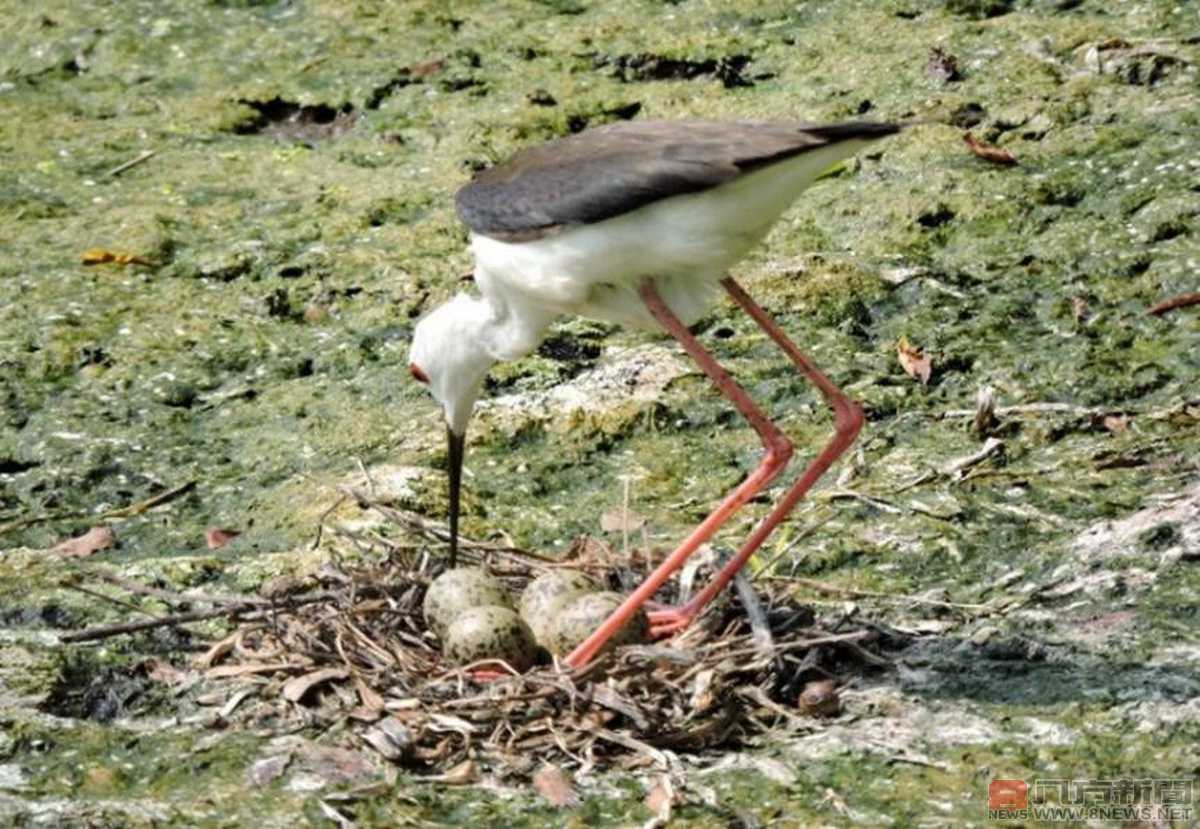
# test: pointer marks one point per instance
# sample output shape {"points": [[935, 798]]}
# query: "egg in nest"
{"points": [[578, 618], [490, 632], [544, 597], [458, 590]]}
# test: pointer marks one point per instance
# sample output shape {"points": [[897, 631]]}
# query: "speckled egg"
{"points": [[458, 590], [490, 632], [579, 617], [545, 596]]}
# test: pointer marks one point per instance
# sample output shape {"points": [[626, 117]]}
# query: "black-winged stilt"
{"points": [[635, 223]]}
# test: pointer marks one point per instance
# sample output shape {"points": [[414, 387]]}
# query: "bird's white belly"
{"points": [[685, 243]]}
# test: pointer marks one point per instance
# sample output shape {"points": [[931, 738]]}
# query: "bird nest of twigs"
{"points": [[357, 649]]}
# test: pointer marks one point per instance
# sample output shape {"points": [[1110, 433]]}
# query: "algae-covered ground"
{"points": [[271, 184]]}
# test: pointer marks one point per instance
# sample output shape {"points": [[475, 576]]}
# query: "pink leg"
{"points": [[848, 421], [778, 452]]}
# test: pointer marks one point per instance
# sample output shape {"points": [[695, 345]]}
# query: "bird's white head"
{"points": [[450, 356]]}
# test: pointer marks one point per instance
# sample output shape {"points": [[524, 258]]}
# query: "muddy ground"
{"points": [[271, 185]]}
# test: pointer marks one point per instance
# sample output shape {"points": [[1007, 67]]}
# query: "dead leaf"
{"points": [[660, 799], [1116, 423], [217, 537], [820, 699], [914, 361], [588, 551], [90, 543], [159, 670], [297, 688], [703, 695], [227, 671], [459, 775], [1079, 308], [942, 66], [619, 520], [217, 651], [1181, 301], [373, 704], [103, 256], [555, 786], [391, 738], [267, 769], [989, 152], [427, 68]]}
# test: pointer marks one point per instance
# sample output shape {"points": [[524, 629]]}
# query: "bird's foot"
{"points": [[666, 620]]}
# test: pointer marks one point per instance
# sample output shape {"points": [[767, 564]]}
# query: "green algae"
{"points": [[265, 348]]}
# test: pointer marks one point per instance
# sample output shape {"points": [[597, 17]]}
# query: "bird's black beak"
{"points": [[455, 444]]}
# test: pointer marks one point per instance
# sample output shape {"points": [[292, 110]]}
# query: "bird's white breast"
{"points": [[685, 243]]}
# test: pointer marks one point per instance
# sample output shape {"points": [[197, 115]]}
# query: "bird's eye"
{"points": [[418, 375]]}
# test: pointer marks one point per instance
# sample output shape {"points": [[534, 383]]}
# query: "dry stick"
{"points": [[321, 519], [175, 619], [123, 512], [832, 639], [757, 615], [1181, 301], [133, 162], [834, 590], [169, 595], [112, 599]]}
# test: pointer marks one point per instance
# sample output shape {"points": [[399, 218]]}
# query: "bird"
{"points": [[636, 223]]}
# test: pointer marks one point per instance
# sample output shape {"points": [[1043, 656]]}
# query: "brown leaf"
{"points": [[1116, 423], [90, 543], [297, 688], [217, 537], [942, 66], [661, 798], [217, 651], [163, 671], [1181, 301], [103, 256], [460, 775], [820, 699], [372, 706], [226, 671], [1079, 308], [914, 361], [989, 152], [703, 691], [618, 520], [426, 68], [587, 550], [555, 785]]}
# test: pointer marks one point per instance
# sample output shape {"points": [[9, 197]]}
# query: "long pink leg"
{"points": [[848, 421], [778, 450]]}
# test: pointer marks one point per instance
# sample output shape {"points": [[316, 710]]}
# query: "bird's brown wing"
{"points": [[605, 172]]}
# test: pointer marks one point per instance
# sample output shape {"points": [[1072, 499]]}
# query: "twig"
{"points": [[170, 595], [122, 512], [133, 162], [835, 590], [321, 519], [760, 628], [175, 619], [878, 503], [1026, 408], [96, 594], [1181, 301], [832, 639]]}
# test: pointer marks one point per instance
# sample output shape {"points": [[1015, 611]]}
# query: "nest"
{"points": [[358, 651]]}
